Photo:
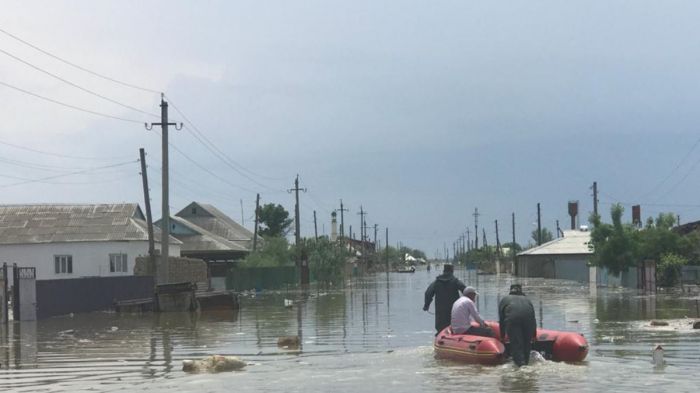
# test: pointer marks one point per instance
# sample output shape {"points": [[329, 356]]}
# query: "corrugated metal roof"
{"points": [[63, 223], [573, 242]]}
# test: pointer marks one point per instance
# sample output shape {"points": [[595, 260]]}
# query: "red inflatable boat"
{"points": [[554, 345], [468, 348]]}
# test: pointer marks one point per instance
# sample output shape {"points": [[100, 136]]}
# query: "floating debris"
{"points": [[659, 323], [214, 363], [289, 342]]}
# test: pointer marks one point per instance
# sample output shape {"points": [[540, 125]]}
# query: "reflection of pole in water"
{"points": [[388, 303], [299, 327], [167, 351], [541, 323], [16, 343]]}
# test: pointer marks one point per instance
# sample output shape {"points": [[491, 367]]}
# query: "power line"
{"points": [[110, 180], [69, 105], [678, 165], [214, 149], [62, 155], [44, 179], [207, 170], [66, 81], [75, 65]]}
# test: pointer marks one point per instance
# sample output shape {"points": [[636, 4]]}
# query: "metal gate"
{"points": [[24, 288], [4, 315]]}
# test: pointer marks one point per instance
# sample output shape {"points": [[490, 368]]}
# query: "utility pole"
{"points": [[483, 239], [363, 233], [558, 229], [513, 245], [255, 228], [498, 241], [387, 249], [147, 199], [595, 198], [375, 237], [297, 228], [163, 272], [342, 221], [315, 227], [476, 228], [469, 241], [242, 216], [539, 225]]}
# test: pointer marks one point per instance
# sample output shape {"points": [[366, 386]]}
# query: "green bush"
{"points": [[275, 252], [669, 270]]}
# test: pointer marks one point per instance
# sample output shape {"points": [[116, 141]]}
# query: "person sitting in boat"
{"points": [[464, 312], [516, 317], [446, 289]]}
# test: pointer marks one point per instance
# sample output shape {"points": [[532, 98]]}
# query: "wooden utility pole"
{"points": [[483, 238], [342, 220], [315, 227], [539, 225], [147, 200], [469, 241], [255, 228], [297, 229], [163, 272], [513, 245], [595, 198], [476, 227], [375, 237]]}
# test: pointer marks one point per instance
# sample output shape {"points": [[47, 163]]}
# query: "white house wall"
{"points": [[89, 258]]}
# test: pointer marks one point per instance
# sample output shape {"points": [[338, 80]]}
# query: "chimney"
{"points": [[334, 227], [573, 212], [637, 216]]}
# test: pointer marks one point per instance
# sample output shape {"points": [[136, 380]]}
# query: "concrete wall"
{"points": [[567, 267], [90, 259]]}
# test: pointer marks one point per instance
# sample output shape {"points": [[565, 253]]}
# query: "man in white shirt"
{"points": [[464, 312]]}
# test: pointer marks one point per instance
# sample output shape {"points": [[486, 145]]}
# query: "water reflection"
{"points": [[373, 329]]}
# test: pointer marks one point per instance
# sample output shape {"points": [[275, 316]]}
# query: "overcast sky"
{"points": [[418, 111]]}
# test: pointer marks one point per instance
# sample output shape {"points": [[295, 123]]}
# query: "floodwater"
{"points": [[367, 337]]}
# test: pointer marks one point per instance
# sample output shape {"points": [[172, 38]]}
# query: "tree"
{"points": [[546, 235], [615, 246], [274, 220], [275, 252]]}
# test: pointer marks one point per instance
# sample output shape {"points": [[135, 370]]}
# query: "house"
{"points": [[209, 234], [565, 257], [64, 241]]}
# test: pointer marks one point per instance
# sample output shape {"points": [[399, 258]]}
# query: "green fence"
{"points": [[258, 278]]}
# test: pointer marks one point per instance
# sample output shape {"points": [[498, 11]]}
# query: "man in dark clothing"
{"points": [[446, 288], [516, 317]]}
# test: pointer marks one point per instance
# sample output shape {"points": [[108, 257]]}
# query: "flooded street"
{"points": [[370, 336]]}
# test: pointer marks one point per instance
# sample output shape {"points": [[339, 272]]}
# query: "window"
{"points": [[63, 264], [117, 263]]}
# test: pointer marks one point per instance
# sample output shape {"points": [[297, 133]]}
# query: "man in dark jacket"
{"points": [[446, 288], [516, 317]]}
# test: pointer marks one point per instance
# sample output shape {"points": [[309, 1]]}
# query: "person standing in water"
{"points": [[446, 289], [516, 317]]}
